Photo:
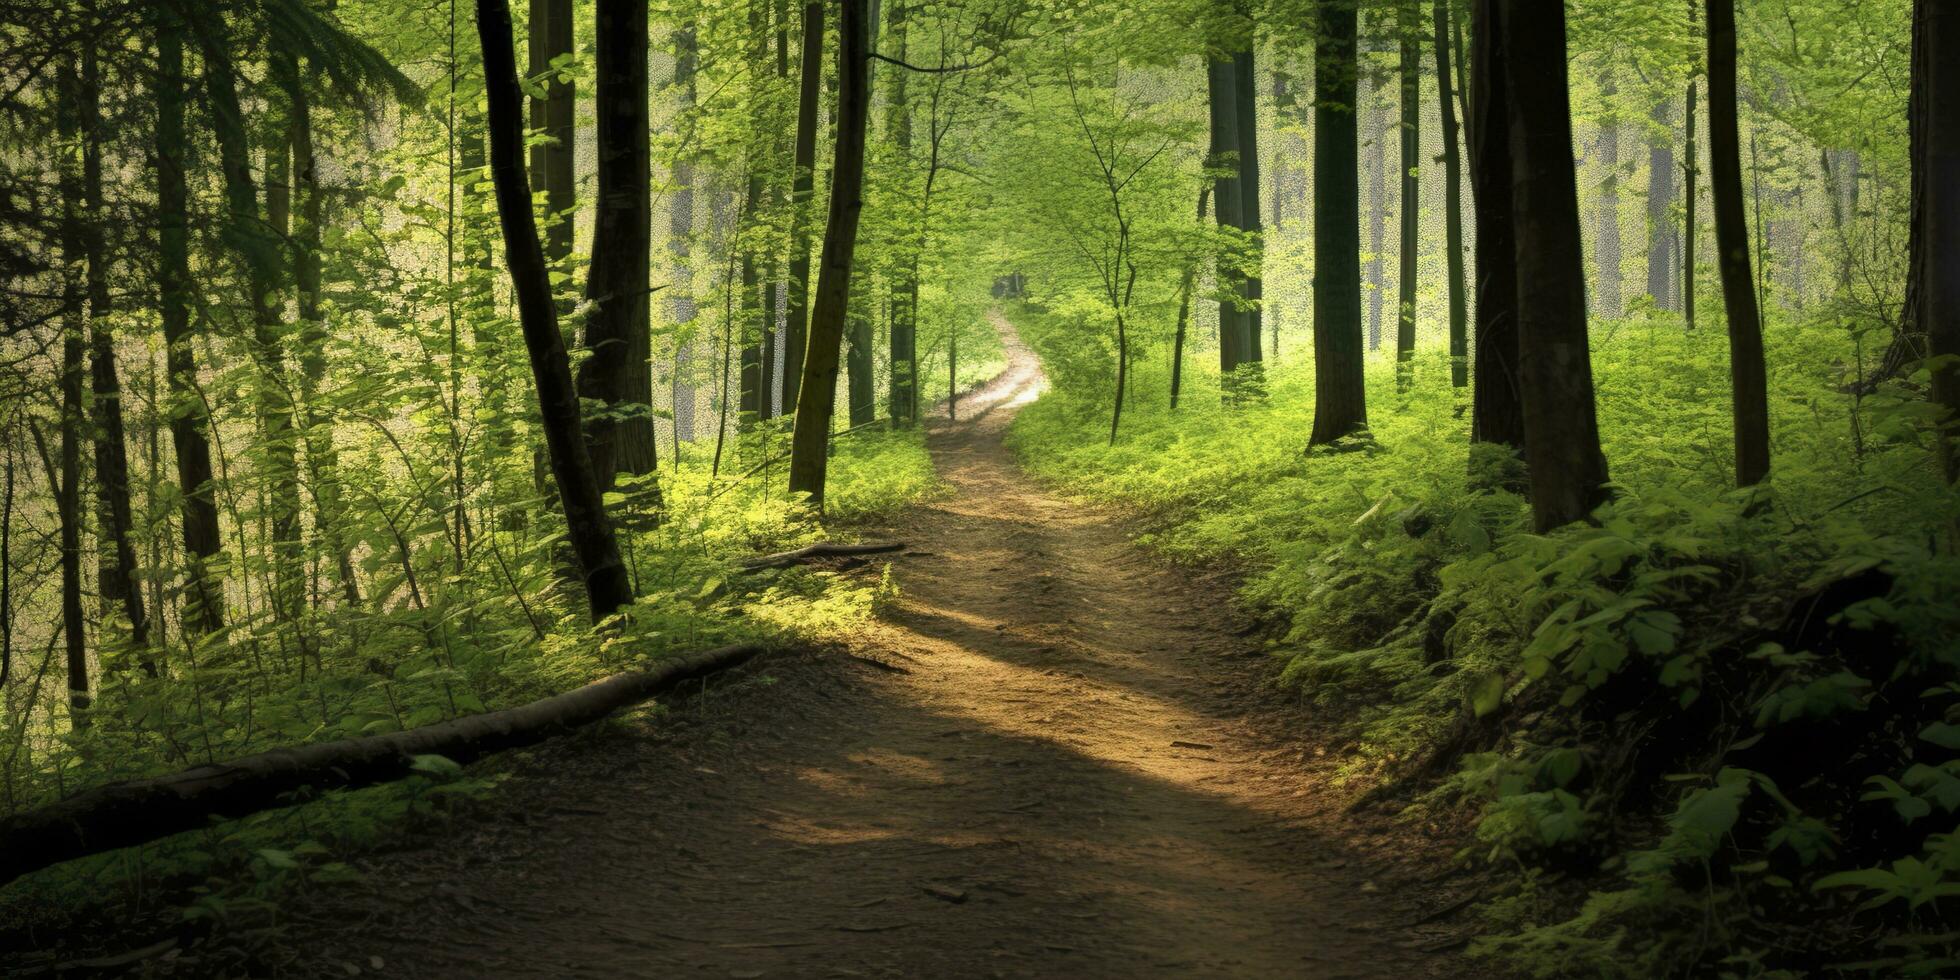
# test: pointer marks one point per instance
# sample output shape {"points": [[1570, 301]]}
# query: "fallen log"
{"points": [[822, 549], [138, 811]]}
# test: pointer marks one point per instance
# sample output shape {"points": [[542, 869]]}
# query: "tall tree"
{"points": [[67, 468], [607, 587], [1452, 203], [1568, 471], [1245, 103], [1935, 239], [554, 116], [204, 605], [810, 445], [1408, 21], [803, 184], [1690, 172], [904, 309], [117, 574], [1228, 208], [1606, 298], [617, 375], [1340, 405], [1748, 377], [680, 232], [1497, 412], [257, 247], [1662, 235]]}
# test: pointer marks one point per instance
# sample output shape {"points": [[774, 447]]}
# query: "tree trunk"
{"points": [[1184, 308], [810, 446], [117, 573], [1936, 204], [256, 246], [1568, 471], [1607, 249], [204, 606], [803, 184], [1377, 275], [1497, 408], [1452, 204], [680, 231], [1661, 232], [1228, 194], [606, 584], [1748, 377], [138, 811], [1340, 406], [617, 375], [1407, 19], [555, 116], [1245, 104], [1690, 170], [67, 468], [904, 313], [323, 460]]}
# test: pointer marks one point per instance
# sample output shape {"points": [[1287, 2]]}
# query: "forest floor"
{"points": [[1070, 763]]}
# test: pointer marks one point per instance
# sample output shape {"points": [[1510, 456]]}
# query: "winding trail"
{"points": [[1069, 768]]}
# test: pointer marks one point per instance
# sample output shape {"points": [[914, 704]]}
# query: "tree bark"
{"points": [[139, 811], [204, 605], [618, 375], [1340, 406], [555, 116], [1936, 205], [1228, 196], [1690, 171], [1408, 17], [1568, 471], [1661, 232], [1377, 167], [810, 445], [257, 247], [117, 574], [67, 468], [803, 184], [680, 231], [1606, 250], [1452, 204], [1245, 103], [1747, 374], [1497, 400], [606, 584]]}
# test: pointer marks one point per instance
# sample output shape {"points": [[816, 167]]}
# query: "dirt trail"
{"points": [[1064, 781]]}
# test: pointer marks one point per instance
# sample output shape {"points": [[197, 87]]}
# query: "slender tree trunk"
{"points": [[1408, 18], [67, 470], [1607, 248], [117, 574], [1568, 471], [606, 583], [1228, 195], [681, 307], [555, 116], [1340, 406], [1748, 377], [1935, 262], [803, 185], [323, 461], [1691, 171], [1497, 410], [1452, 204], [1662, 234], [204, 605], [1377, 275], [256, 246], [810, 448], [1245, 104], [1184, 308], [617, 375], [904, 314]]}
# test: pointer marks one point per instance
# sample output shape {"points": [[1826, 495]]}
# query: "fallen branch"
{"points": [[139, 811], [822, 549]]}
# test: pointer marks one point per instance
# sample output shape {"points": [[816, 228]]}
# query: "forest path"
{"points": [[1077, 773]]}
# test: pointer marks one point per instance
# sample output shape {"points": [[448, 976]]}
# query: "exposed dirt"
{"points": [[1069, 767]]}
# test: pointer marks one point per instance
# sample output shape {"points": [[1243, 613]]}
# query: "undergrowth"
{"points": [[502, 627], [1724, 720]]}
